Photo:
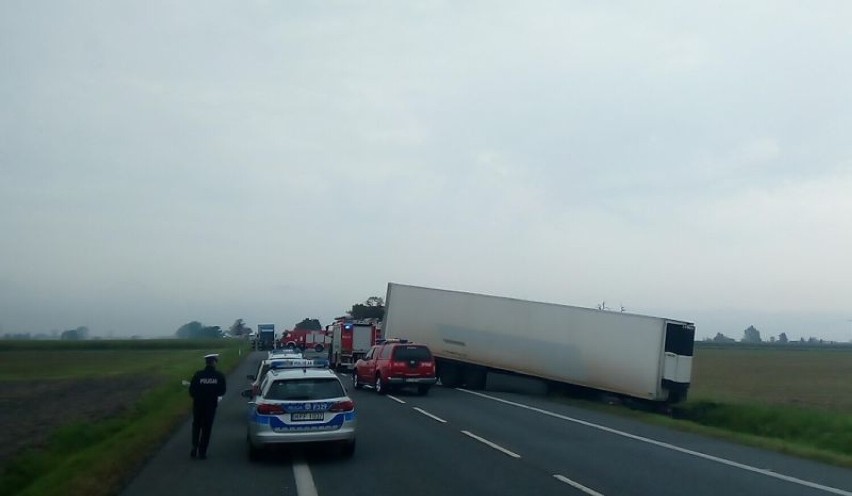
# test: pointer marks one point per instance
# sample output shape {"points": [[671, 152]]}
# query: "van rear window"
{"points": [[408, 353]]}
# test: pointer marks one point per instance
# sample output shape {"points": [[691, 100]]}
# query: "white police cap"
{"points": [[212, 356]]}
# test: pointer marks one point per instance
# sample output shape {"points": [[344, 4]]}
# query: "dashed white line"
{"points": [[304, 480], [577, 485], [396, 399], [493, 445], [424, 412], [672, 447]]}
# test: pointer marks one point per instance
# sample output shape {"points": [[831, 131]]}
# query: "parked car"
{"points": [[300, 404], [396, 363]]}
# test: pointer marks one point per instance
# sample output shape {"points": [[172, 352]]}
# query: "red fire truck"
{"points": [[351, 340], [306, 339]]}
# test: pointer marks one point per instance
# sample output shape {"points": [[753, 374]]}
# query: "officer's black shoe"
{"points": [[193, 453]]}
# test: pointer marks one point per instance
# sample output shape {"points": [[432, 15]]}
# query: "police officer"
{"points": [[205, 388]]}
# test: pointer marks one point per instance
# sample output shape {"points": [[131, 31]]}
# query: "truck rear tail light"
{"points": [[266, 409], [342, 406]]}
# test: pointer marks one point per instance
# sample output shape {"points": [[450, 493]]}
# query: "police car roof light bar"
{"points": [[297, 363]]}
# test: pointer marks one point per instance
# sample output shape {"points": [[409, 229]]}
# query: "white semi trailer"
{"points": [[643, 357]]}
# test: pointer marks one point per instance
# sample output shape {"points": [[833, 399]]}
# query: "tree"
{"points": [[197, 330], [309, 324], [238, 328], [751, 335], [375, 301], [721, 338], [782, 338], [372, 308], [79, 333]]}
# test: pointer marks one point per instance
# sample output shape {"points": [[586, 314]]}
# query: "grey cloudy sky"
{"points": [[162, 162]]}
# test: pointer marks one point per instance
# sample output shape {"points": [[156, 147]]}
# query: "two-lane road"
{"points": [[462, 442]]}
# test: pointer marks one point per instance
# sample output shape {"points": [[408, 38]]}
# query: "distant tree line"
{"points": [[752, 336], [197, 330], [372, 308], [77, 334], [309, 325]]}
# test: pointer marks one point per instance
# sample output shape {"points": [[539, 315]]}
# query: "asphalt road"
{"points": [[461, 442]]}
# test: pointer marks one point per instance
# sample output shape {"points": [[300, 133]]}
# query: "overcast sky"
{"points": [[162, 162]]}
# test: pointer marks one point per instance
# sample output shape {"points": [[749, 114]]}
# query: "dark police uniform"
{"points": [[205, 388]]}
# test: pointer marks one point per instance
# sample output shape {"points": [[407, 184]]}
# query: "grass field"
{"points": [[816, 378], [111, 431], [787, 398]]}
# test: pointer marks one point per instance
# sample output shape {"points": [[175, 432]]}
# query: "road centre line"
{"points": [[672, 447], [304, 480], [493, 445], [577, 485], [396, 399], [424, 412]]}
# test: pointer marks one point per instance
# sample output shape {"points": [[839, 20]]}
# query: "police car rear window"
{"points": [[406, 353], [305, 389]]}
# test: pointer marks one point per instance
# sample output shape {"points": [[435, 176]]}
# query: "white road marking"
{"points": [[672, 447], [304, 480], [396, 399], [493, 445], [424, 412], [577, 485]]}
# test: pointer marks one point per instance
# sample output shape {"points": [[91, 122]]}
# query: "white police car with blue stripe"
{"points": [[300, 401]]}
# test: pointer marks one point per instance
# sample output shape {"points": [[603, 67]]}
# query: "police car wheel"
{"points": [[348, 448], [254, 454]]}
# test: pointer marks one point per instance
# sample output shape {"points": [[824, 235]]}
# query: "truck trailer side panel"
{"points": [[618, 352]]}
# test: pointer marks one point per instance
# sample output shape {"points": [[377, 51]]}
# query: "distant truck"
{"points": [[350, 341], [470, 334], [265, 336]]}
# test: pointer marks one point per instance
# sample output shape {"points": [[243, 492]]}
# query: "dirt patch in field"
{"points": [[31, 411]]}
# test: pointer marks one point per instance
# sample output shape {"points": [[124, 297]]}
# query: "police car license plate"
{"points": [[306, 416]]}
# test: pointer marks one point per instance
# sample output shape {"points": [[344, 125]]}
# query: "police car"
{"points": [[280, 361], [284, 353], [300, 401]]}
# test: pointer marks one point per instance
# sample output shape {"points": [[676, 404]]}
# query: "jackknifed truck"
{"points": [[637, 356]]}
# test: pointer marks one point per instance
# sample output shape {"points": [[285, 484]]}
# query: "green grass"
{"points": [[792, 399], [808, 428], [115, 344], [98, 458]]}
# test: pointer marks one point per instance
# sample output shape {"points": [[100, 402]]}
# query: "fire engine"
{"points": [[350, 341], [315, 339]]}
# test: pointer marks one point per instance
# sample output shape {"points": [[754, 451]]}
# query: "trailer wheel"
{"points": [[450, 374], [474, 377], [318, 348]]}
